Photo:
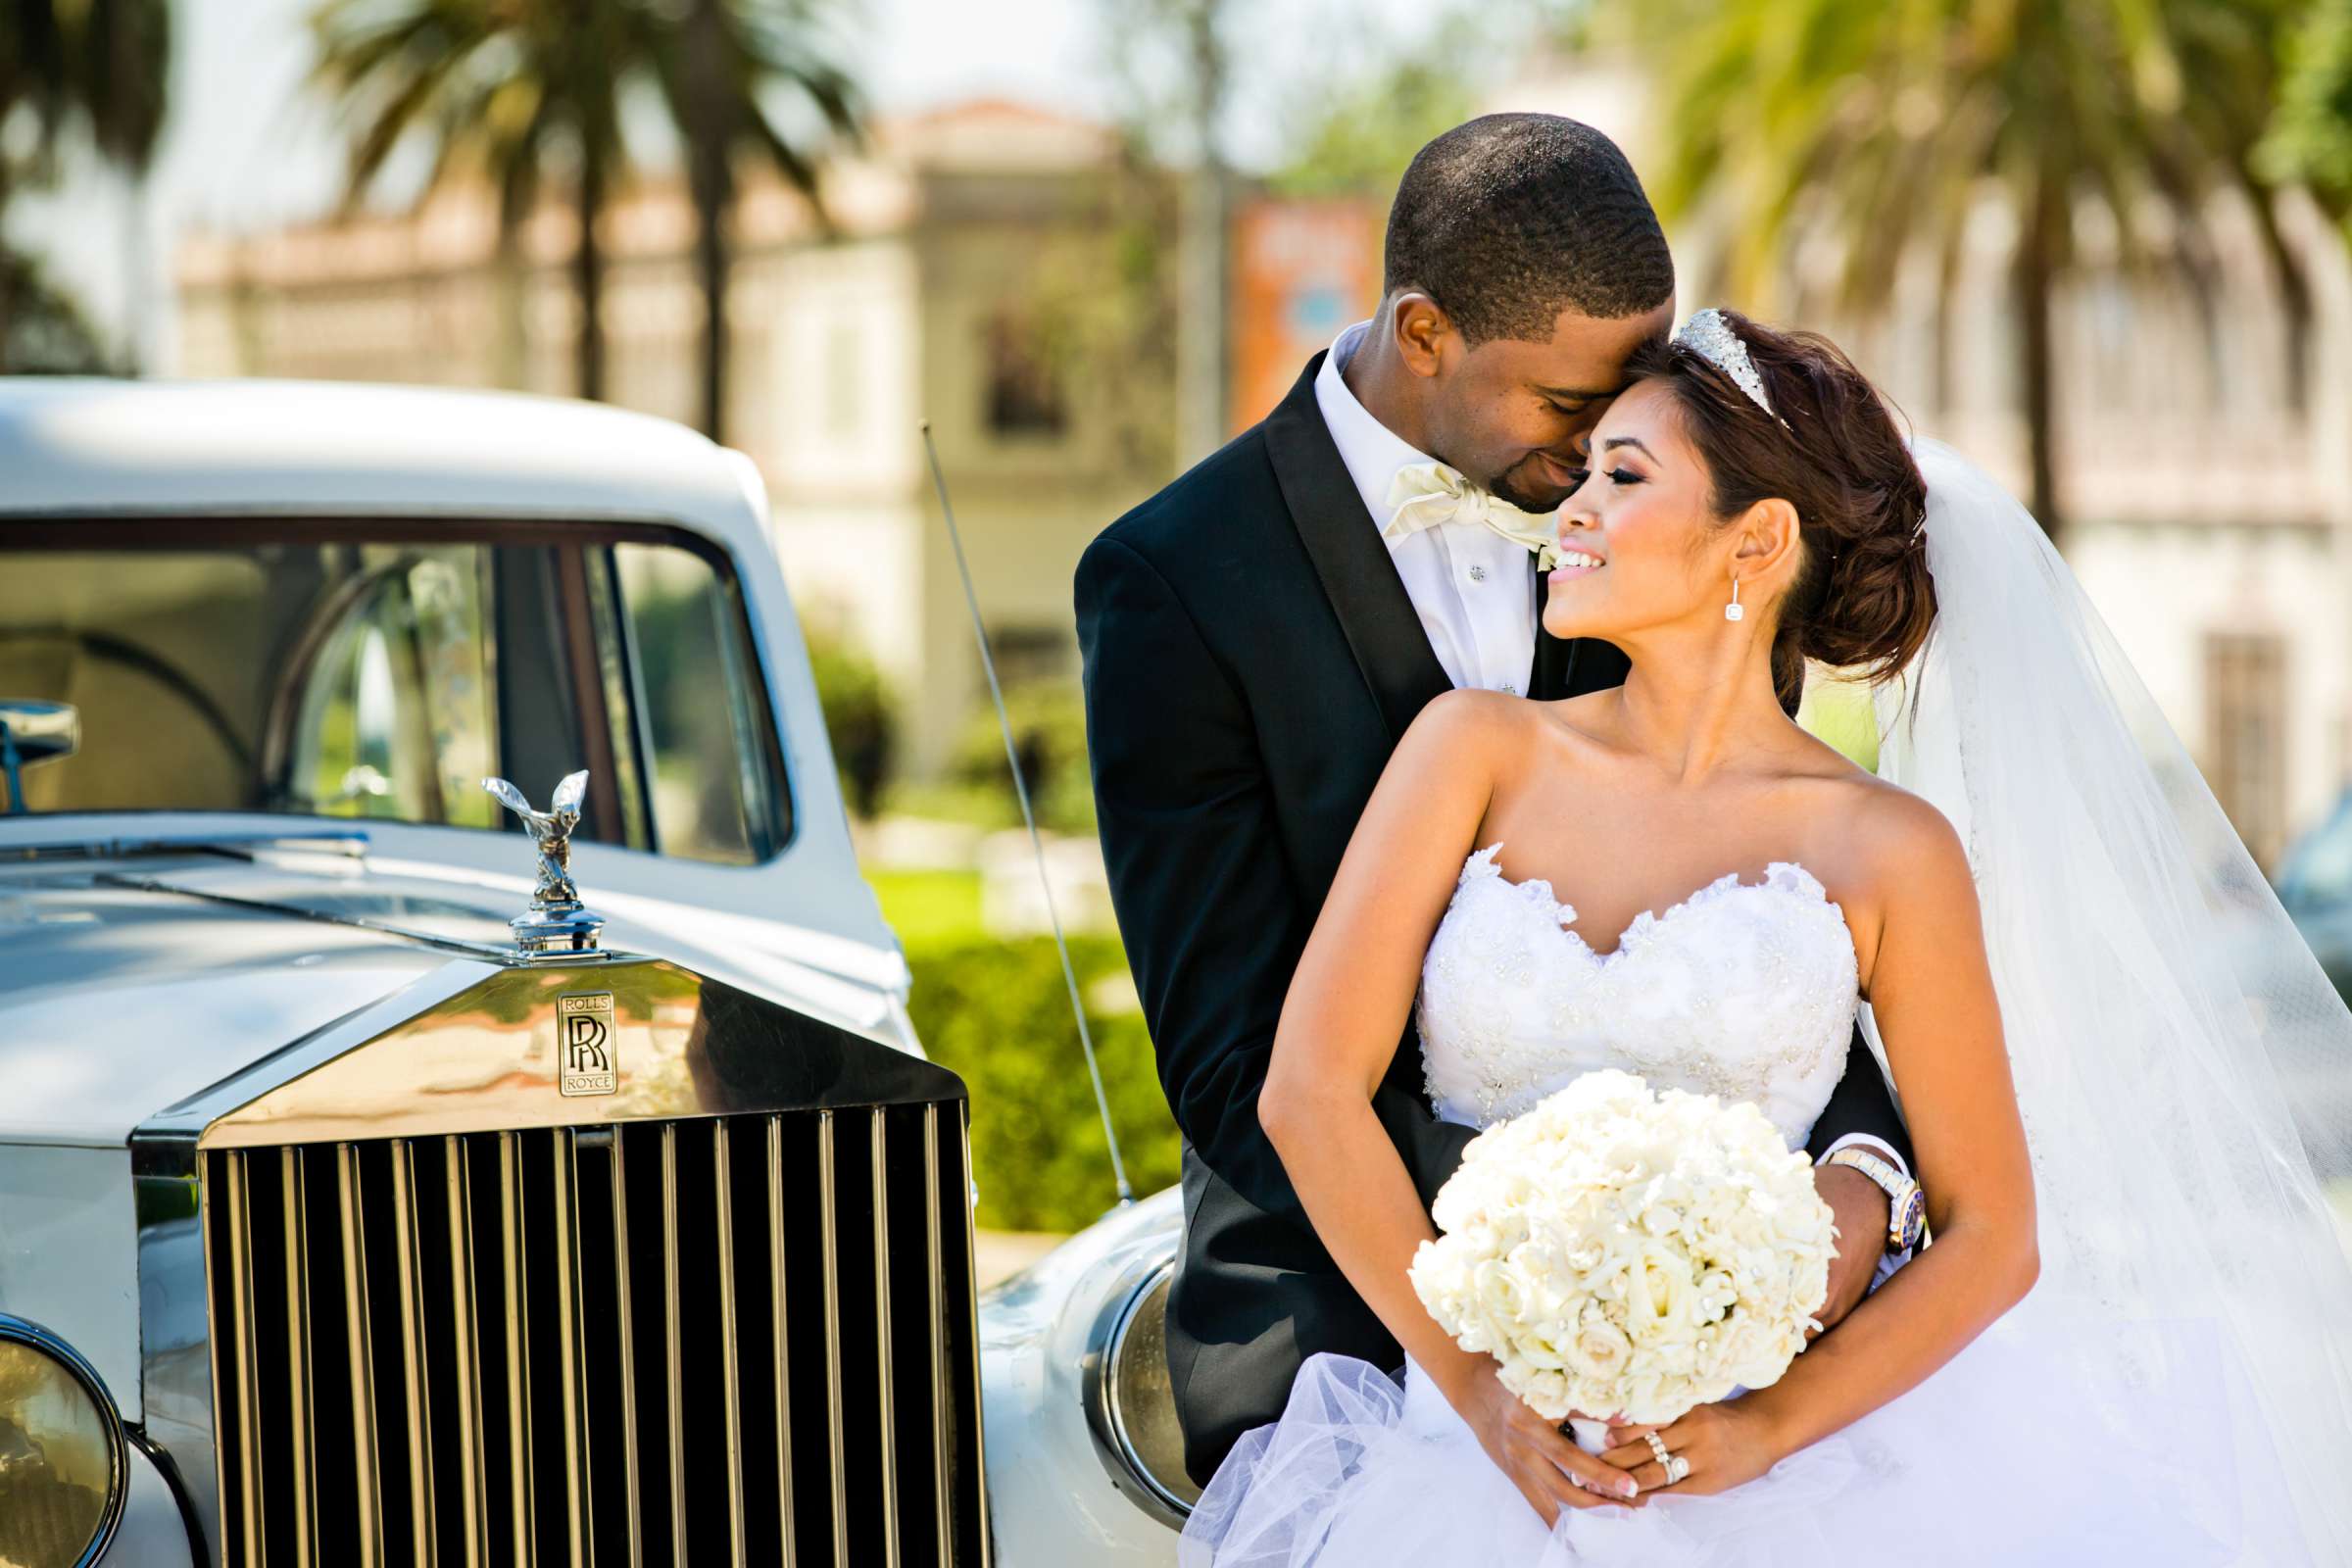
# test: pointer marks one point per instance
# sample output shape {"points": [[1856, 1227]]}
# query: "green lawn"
{"points": [[1840, 712], [930, 910]]}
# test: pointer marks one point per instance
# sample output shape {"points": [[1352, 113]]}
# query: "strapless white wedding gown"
{"points": [[2028, 1447]]}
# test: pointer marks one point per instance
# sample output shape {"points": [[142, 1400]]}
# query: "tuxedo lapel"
{"points": [[1555, 661], [1375, 613]]}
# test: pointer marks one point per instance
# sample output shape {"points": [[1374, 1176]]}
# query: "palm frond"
{"points": [[1877, 122]]}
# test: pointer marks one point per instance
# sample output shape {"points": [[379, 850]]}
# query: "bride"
{"points": [[2074, 975]]}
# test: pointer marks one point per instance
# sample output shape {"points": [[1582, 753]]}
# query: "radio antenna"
{"points": [[1020, 788]]}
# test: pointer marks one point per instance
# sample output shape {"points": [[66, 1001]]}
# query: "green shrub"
{"points": [[1840, 712], [860, 717], [999, 1015], [1049, 733]]}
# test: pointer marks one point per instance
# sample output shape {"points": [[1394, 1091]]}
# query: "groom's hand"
{"points": [[1861, 1212]]}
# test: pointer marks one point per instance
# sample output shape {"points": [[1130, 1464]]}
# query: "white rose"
{"points": [[1599, 1349], [1659, 1291], [1500, 1292], [1541, 1348]]}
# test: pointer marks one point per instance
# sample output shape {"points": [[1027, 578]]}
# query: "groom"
{"points": [[1257, 636]]}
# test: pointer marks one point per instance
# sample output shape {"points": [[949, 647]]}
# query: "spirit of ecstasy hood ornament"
{"points": [[555, 924]]}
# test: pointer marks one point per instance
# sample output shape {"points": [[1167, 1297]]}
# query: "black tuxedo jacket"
{"points": [[1250, 659]]}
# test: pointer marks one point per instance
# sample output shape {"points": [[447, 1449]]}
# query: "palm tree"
{"points": [[124, 59], [120, 61], [2310, 139], [503, 90], [33, 78], [46, 331], [721, 66], [1884, 121], [506, 90], [100, 65]]}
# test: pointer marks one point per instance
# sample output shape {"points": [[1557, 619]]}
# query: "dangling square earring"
{"points": [[1732, 610]]}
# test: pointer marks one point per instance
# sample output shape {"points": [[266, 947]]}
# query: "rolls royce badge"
{"points": [[584, 1041]]}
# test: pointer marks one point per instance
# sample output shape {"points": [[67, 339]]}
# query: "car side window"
{"points": [[709, 747]]}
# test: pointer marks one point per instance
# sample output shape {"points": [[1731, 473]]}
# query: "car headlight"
{"points": [[1130, 1407], [64, 1460]]}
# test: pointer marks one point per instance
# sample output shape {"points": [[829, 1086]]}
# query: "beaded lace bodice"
{"points": [[1744, 989]]}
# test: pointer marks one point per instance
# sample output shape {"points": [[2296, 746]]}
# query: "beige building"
{"points": [[994, 271]]}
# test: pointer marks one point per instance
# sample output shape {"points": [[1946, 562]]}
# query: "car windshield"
{"points": [[378, 671]]}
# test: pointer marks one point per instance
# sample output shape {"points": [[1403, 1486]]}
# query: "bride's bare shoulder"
{"points": [[1474, 739], [1462, 730], [1469, 715], [1901, 847]]}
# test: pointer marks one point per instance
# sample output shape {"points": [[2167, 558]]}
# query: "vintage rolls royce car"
{"points": [[392, 1169]]}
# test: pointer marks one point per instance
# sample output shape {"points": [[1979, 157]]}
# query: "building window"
{"points": [[2245, 708], [1024, 392]]}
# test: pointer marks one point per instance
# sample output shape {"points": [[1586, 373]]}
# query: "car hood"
{"points": [[132, 983]]}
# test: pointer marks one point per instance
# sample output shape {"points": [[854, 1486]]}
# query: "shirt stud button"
{"points": [[1478, 574]]}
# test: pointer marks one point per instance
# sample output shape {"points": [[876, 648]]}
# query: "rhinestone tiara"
{"points": [[1709, 335]]}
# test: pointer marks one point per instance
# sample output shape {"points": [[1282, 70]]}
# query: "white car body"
{"points": [[136, 975]]}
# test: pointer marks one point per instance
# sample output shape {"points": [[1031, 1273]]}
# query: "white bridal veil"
{"points": [[2163, 1019]]}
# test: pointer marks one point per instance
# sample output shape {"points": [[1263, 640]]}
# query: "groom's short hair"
{"points": [[1509, 220]]}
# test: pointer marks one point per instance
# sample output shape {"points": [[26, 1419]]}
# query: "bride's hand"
{"points": [[1725, 1445], [1539, 1459]]}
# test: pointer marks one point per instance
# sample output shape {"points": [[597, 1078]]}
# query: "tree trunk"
{"points": [[510, 287], [8, 265], [1201, 286], [712, 190], [138, 318], [588, 274], [2037, 286], [712, 265]]}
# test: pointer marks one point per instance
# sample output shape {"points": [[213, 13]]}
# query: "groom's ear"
{"points": [[1420, 328]]}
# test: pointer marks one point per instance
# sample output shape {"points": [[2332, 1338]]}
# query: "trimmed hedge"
{"points": [[998, 1014], [1049, 733], [860, 717]]}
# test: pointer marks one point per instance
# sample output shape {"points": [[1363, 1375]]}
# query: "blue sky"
{"points": [[244, 151]]}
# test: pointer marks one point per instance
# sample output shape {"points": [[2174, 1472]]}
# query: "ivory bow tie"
{"points": [[1427, 494]]}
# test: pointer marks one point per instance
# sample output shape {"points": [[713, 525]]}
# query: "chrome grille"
{"points": [[730, 1338]]}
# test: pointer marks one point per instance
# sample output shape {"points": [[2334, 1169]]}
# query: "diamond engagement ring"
{"points": [[1657, 1445], [1678, 1468]]}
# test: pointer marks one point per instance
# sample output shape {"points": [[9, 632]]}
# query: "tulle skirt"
{"points": [[2044, 1441]]}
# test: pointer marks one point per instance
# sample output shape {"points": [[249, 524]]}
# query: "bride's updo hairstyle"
{"points": [[1862, 599]]}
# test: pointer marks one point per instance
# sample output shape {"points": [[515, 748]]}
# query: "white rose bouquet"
{"points": [[1624, 1253]]}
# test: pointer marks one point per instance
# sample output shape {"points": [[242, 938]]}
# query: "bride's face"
{"points": [[1644, 522]]}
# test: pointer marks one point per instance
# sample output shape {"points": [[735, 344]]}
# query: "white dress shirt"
{"points": [[1474, 590]]}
